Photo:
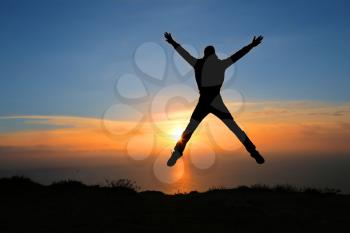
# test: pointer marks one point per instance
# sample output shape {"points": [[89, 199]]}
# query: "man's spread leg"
{"points": [[181, 144], [220, 110], [198, 115]]}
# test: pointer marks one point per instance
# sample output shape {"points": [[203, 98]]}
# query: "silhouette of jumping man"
{"points": [[209, 72]]}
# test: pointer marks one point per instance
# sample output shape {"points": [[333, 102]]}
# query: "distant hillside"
{"points": [[71, 206]]}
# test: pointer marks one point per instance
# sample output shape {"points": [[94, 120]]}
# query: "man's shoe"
{"points": [[175, 155], [257, 156]]}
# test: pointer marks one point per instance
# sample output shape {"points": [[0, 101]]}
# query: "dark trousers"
{"points": [[211, 102]]}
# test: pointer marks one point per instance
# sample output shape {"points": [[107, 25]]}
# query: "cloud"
{"points": [[78, 133], [296, 111], [275, 126], [69, 121]]}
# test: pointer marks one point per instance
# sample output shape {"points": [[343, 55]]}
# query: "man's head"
{"points": [[209, 50]]}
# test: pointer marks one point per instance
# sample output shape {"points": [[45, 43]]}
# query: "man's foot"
{"points": [[257, 156], [175, 155]]}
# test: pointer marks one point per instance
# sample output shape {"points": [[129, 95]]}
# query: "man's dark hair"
{"points": [[209, 50]]}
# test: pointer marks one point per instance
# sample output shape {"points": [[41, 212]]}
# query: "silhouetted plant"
{"points": [[68, 184], [328, 191], [286, 188], [18, 182], [260, 187], [242, 188], [122, 185], [331, 191], [217, 188], [21, 183]]}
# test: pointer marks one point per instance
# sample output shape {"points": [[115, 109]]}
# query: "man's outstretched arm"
{"points": [[243, 51], [183, 53]]}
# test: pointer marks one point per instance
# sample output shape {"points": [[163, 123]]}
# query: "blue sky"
{"points": [[62, 57]]}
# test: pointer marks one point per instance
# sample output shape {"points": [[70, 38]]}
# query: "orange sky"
{"points": [[274, 127], [280, 130]]}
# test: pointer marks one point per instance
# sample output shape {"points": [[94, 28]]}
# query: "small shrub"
{"points": [[260, 187], [18, 183], [68, 184], [285, 188], [216, 189], [123, 185]]}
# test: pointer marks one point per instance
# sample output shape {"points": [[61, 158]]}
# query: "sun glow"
{"points": [[176, 132]]}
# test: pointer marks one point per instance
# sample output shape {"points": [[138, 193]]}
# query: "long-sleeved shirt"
{"points": [[210, 71]]}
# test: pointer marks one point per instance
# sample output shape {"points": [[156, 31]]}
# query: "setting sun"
{"points": [[176, 132]]}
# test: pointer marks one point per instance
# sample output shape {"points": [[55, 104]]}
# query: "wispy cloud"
{"points": [[275, 126]]}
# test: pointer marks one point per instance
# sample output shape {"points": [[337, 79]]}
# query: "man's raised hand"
{"points": [[257, 40], [168, 37]]}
